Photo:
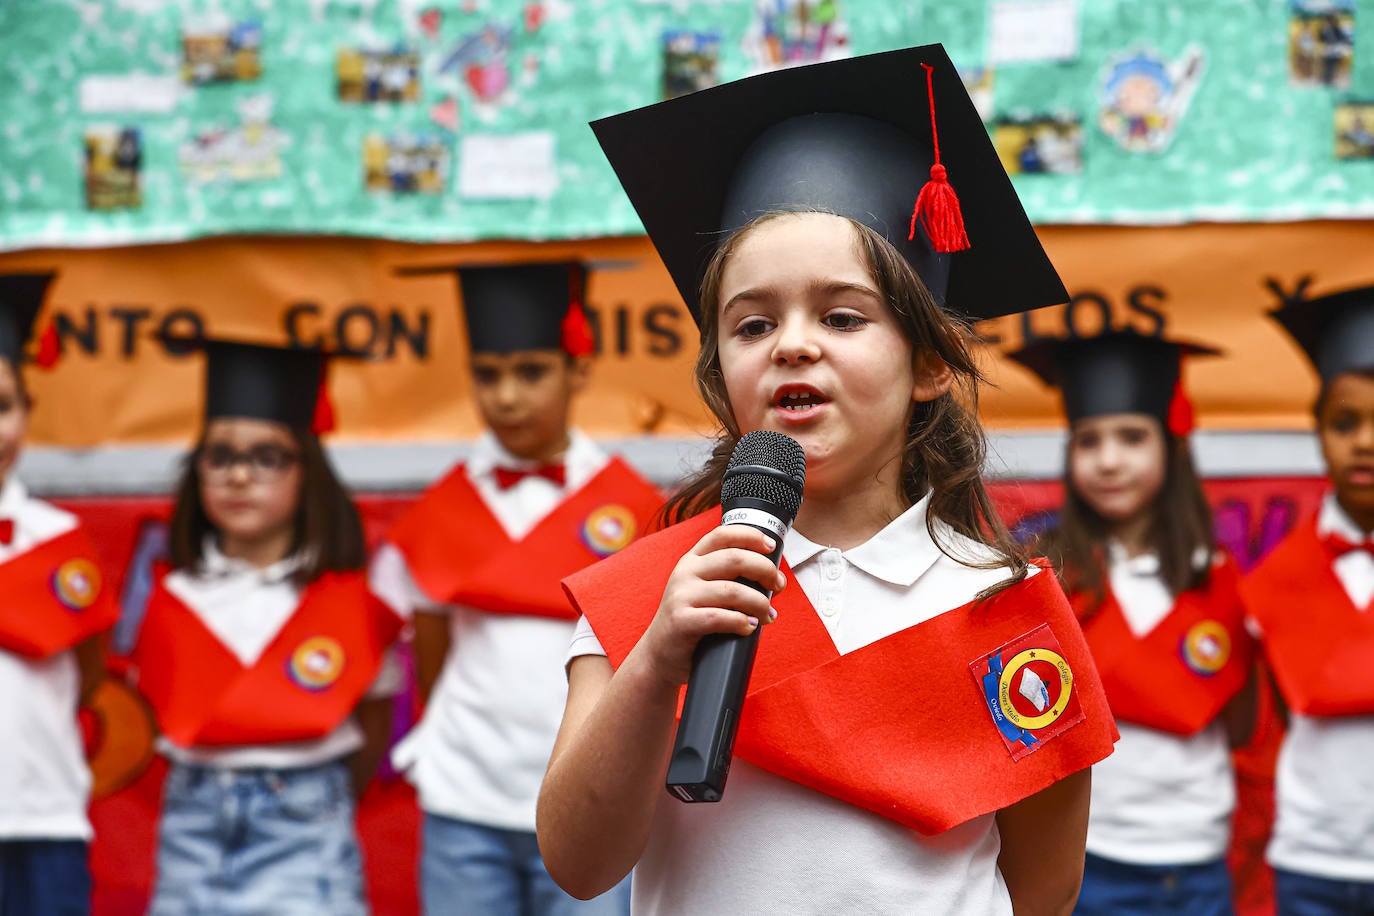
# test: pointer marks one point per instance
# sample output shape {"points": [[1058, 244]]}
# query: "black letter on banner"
{"points": [[1103, 306], [345, 319], [418, 338], [1137, 299], [172, 336], [86, 338], [660, 321], [131, 317], [291, 320]]}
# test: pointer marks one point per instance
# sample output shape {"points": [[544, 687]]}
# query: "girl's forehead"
{"points": [[247, 430], [796, 247]]}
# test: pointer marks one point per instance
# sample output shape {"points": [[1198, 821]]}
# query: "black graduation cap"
{"points": [[263, 382], [1116, 372], [511, 307], [21, 298], [851, 137], [1336, 332]]}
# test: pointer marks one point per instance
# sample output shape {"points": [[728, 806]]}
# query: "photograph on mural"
{"points": [[690, 61], [979, 82], [405, 163], [216, 49], [113, 167], [248, 151], [1321, 43], [1144, 96], [788, 33], [1038, 145], [1354, 123], [369, 75]]}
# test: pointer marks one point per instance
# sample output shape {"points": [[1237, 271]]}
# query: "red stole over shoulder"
{"points": [[931, 727], [53, 596], [303, 686], [459, 554], [1319, 645], [1179, 676]]}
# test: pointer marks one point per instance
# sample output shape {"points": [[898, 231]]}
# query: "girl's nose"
{"points": [[795, 341]]}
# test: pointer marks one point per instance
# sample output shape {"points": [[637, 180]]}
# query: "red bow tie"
{"points": [[1338, 546], [6, 530], [509, 477]]}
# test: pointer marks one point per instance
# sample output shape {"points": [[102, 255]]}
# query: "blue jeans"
{"points": [[1112, 888], [467, 868], [44, 876], [258, 841], [1298, 894]]}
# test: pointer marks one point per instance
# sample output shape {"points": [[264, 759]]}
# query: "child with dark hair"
{"points": [[1161, 610], [1312, 604], [481, 554], [262, 652], [53, 608], [923, 712]]}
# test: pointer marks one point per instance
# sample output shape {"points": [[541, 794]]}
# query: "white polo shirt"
{"points": [[45, 784], [1159, 799], [1324, 786], [773, 846], [480, 751], [246, 607]]}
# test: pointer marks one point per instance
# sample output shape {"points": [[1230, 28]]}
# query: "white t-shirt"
{"points": [[1324, 787], [480, 752], [773, 846], [1159, 799], [44, 781], [246, 607]]}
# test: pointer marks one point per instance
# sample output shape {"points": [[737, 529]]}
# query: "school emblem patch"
{"points": [[607, 529], [76, 583], [316, 663], [1028, 687], [1206, 647]]}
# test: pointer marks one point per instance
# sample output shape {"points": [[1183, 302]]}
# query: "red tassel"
{"points": [[577, 332], [323, 420], [1180, 420], [49, 348], [937, 206]]}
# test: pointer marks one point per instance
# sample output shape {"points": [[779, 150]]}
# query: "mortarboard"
{"points": [[1116, 372], [1336, 332], [21, 298], [853, 137], [509, 307]]}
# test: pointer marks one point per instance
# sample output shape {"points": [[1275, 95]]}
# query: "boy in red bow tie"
{"points": [[482, 553], [1313, 601]]}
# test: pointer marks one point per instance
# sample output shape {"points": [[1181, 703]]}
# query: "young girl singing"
{"points": [[52, 610], [904, 744], [1161, 610], [260, 652], [1312, 601]]}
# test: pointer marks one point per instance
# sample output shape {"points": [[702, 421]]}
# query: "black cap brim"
{"points": [[1336, 332]]}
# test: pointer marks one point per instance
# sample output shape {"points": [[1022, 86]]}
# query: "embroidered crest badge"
{"points": [[316, 663], [76, 583], [1028, 687], [608, 529], [1206, 647]]}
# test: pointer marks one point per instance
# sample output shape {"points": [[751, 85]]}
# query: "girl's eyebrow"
{"points": [[814, 288]]}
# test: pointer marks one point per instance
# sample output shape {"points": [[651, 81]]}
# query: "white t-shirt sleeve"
{"points": [[390, 579], [584, 642]]}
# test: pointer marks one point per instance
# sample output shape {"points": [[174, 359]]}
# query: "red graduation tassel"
{"points": [[937, 206], [1180, 420], [49, 348], [576, 329], [323, 420]]}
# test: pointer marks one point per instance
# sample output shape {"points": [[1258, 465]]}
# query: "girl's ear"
{"points": [[933, 377]]}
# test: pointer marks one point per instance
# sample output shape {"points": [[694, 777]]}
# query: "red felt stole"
{"points": [[459, 553], [53, 596], [303, 686], [1319, 645], [1179, 676], [928, 727]]}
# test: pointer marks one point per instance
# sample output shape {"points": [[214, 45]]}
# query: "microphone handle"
{"points": [[715, 693]]}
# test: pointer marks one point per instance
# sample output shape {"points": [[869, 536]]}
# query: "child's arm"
{"points": [[90, 660], [1043, 840], [606, 773], [373, 715], [431, 648]]}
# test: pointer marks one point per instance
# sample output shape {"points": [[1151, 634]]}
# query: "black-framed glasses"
{"points": [[263, 462]]}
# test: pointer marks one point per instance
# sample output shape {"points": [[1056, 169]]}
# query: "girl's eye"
{"points": [[754, 327], [7, 404], [1133, 436], [845, 321], [1344, 422]]}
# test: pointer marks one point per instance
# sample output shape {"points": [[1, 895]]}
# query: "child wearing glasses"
{"points": [[262, 652], [52, 610]]}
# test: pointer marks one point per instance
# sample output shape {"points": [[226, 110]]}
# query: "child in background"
{"points": [[262, 653], [52, 609], [481, 554], [1312, 603], [905, 745], [1161, 610]]}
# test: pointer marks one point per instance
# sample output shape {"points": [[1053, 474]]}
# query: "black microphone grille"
{"points": [[766, 466]]}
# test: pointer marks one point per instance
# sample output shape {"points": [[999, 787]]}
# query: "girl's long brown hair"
{"points": [[329, 532], [1180, 526], [945, 446]]}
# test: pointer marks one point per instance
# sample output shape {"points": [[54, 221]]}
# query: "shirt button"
{"points": [[828, 607]]}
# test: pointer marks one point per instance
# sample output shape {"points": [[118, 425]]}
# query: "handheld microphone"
{"points": [[763, 489]]}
